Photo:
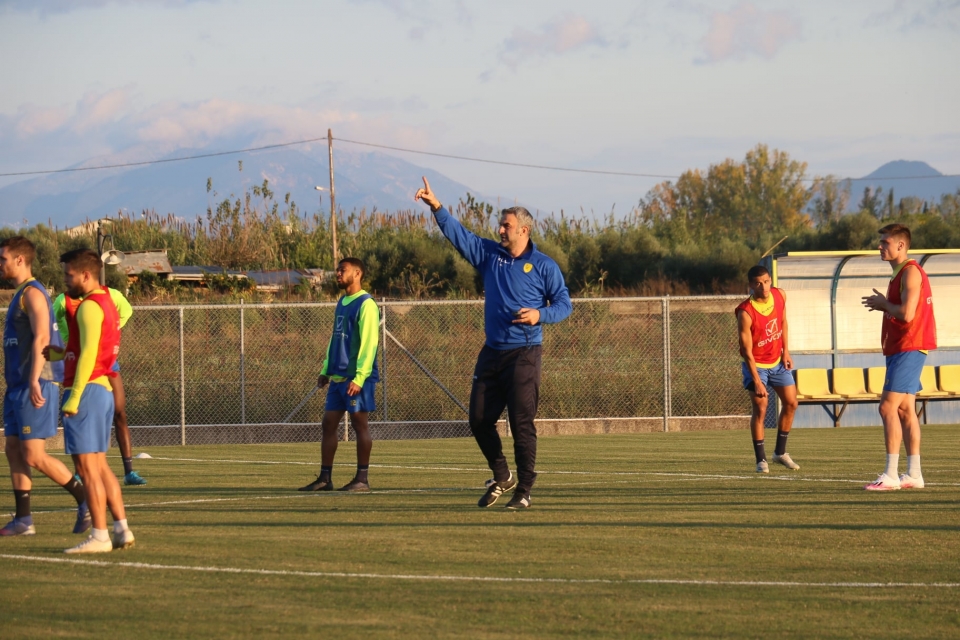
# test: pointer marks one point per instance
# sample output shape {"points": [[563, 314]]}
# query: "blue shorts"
{"points": [[89, 430], [338, 400], [778, 376], [116, 366], [23, 420], [903, 372]]}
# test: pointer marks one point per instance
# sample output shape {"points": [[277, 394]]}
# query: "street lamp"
{"points": [[333, 225], [112, 257]]}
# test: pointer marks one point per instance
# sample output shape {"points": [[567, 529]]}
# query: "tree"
{"points": [[830, 197]]}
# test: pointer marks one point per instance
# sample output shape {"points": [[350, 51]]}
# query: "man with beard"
{"points": [[350, 369], [30, 402]]}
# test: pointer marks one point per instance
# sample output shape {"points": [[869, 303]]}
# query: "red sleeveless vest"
{"points": [[109, 338], [897, 336], [767, 330]]}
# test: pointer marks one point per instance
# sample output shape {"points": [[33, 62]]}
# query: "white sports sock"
{"points": [[893, 459], [913, 466], [120, 525], [100, 535]]}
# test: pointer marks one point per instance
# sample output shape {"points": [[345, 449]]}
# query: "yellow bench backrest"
{"points": [[950, 378], [812, 382], [848, 381], [875, 377]]}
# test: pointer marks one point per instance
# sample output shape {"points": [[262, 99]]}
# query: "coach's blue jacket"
{"points": [[531, 281]]}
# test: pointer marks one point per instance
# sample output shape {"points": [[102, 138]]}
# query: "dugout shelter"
{"points": [[830, 328]]}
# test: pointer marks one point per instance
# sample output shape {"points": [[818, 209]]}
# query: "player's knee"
{"points": [[790, 405], [33, 457], [889, 410]]}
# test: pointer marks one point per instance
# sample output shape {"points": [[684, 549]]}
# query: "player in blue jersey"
{"points": [[33, 395], [350, 369], [523, 290]]}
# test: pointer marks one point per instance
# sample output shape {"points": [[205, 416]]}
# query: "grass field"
{"points": [[663, 535]]}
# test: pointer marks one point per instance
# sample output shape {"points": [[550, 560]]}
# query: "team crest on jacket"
{"points": [[527, 268]]}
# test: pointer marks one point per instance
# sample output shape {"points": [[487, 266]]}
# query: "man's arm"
{"points": [[35, 304], [324, 378], [122, 304], [745, 325], [558, 296], [787, 360], [369, 324], [468, 244], [90, 320], [906, 311]]}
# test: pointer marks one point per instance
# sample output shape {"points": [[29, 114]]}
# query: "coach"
{"points": [[524, 289]]}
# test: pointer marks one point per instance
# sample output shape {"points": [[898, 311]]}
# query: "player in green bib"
{"points": [[350, 369]]}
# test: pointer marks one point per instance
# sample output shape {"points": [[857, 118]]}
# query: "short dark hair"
{"points": [[897, 230], [756, 272], [356, 262], [20, 246], [83, 260]]}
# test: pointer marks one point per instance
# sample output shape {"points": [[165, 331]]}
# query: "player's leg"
{"points": [[122, 431], [22, 523], [890, 402], [361, 426], [488, 397], [122, 536], [522, 401], [758, 411], [360, 407], [910, 424], [336, 406], [788, 409], [87, 438]]}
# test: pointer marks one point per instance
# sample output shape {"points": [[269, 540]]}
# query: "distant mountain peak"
{"points": [[903, 169]]}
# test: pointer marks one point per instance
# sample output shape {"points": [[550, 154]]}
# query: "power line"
{"points": [[510, 164], [419, 152], [146, 162]]}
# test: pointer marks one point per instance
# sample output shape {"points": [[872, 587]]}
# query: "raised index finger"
{"points": [[426, 185]]}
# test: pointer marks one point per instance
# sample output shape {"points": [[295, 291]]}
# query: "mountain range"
{"points": [[362, 180], [370, 180], [905, 178]]}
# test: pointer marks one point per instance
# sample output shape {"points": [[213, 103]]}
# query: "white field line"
{"points": [[581, 473], [450, 578]]}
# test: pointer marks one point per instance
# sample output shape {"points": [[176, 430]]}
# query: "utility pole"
{"points": [[333, 203]]}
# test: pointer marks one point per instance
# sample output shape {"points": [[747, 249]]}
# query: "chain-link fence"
{"points": [[204, 374]]}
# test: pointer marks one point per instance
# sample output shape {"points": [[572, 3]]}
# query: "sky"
{"points": [[655, 87]]}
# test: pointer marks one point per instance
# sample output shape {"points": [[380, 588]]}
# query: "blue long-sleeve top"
{"points": [[532, 281]]}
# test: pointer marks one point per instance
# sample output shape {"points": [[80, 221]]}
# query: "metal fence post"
{"points": [[665, 310], [243, 371], [183, 391], [383, 358]]}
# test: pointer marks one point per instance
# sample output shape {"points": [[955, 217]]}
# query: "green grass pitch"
{"points": [[653, 535]]}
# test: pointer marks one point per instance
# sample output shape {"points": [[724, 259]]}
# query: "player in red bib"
{"points": [[91, 351], [762, 323], [908, 332]]}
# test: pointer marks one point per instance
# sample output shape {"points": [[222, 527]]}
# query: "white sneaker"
{"points": [[763, 467], [883, 483], [786, 461], [91, 545], [123, 539], [907, 482]]}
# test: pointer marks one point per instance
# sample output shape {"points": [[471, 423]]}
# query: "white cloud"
{"points": [[905, 16], [746, 31], [559, 36]]}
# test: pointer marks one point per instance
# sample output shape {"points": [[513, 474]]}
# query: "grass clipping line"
{"points": [[442, 578]]}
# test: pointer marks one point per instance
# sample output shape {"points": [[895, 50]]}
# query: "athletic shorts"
{"points": [[23, 420], [89, 430], [116, 366], [338, 400], [903, 372], [778, 376]]}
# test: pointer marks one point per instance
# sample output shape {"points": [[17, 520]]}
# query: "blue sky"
{"points": [[651, 87]]}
